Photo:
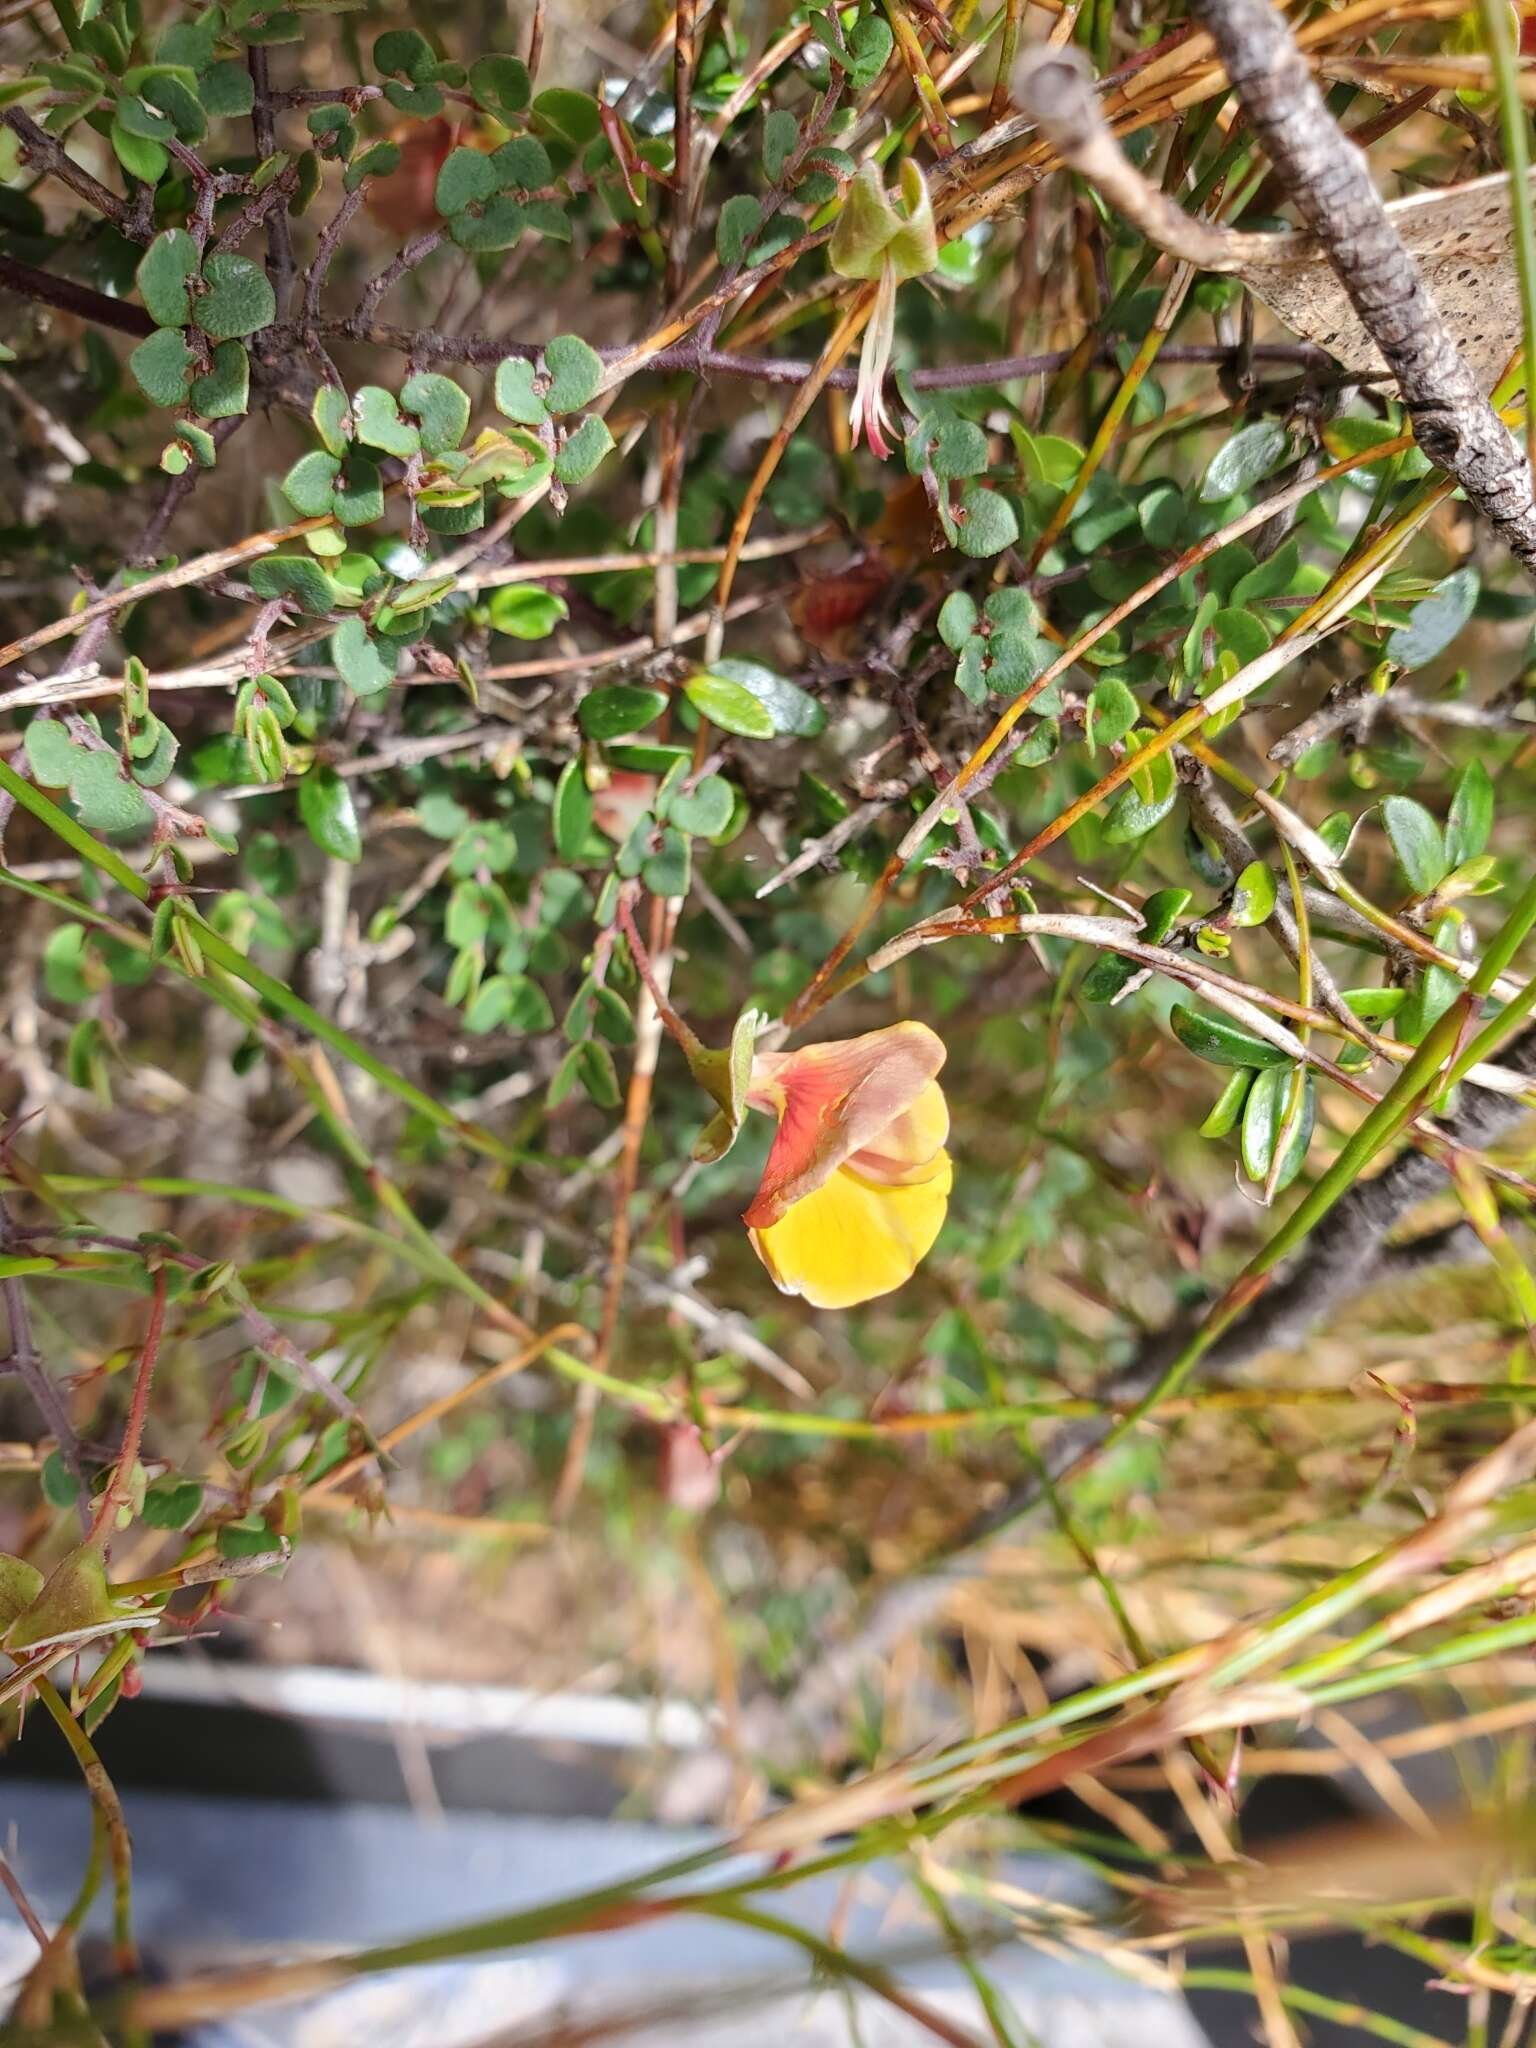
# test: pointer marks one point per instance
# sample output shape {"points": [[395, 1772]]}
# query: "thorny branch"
{"points": [[280, 264]]}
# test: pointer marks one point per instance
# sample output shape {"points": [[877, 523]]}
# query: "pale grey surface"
{"points": [[223, 1880]]}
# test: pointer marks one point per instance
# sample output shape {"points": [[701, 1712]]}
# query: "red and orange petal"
{"points": [[874, 1096]]}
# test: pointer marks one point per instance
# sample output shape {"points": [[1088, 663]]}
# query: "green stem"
{"points": [[109, 1808], [1514, 122], [1343, 2012], [1425, 1077]]}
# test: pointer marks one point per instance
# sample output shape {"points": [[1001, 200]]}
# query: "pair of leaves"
{"points": [[437, 410], [1264, 1102], [163, 367], [226, 295], [753, 701], [321, 485], [565, 379], [1427, 855], [106, 798]]}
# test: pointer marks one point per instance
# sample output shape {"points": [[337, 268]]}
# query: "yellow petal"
{"points": [[907, 1148], [852, 1239]]}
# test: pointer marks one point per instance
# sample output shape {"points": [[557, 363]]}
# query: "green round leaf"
{"points": [[51, 753], [987, 523], [308, 485], [239, 299], [226, 91], [957, 619], [358, 499], [790, 710], [666, 871], [404, 53], [500, 84], [621, 708], [781, 136], [1253, 896], [1223, 1043], [106, 800], [377, 422], [466, 176], [575, 371], [703, 811], [325, 805], [172, 1503], [330, 414], [1435, 620], [139, 156], [1471, 814], [495, 225], [160, 366], [571, 117], [166, 265], [738, 223], [1418, 843], [583, 451], [571, 812], [365, 664], [522, 165], [516, 396], [295, 576], [526, 611], [1251, 453], [1112, 711], [441, 408], [225, 391], [509, 1002], [730, 705]]}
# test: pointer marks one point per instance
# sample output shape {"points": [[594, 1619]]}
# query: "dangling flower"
{"points": [[857, 1181], [867, 415], [887, 241]]}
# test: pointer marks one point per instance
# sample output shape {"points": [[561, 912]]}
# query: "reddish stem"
{"points": [[685, 1036], [133, 1435]]}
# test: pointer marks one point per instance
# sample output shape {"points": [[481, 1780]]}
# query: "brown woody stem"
{"points": [[686, 1037]]}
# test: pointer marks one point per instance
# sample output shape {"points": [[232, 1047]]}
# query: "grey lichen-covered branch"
{"points": [[1330, 184], [1327, 179]]}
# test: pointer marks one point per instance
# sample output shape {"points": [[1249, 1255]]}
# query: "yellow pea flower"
{"points": [[857, 1181]]}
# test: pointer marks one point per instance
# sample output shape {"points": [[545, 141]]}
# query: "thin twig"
{"points": [[280, 265], [115, 1493], [44, 152], [46, 288]]}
